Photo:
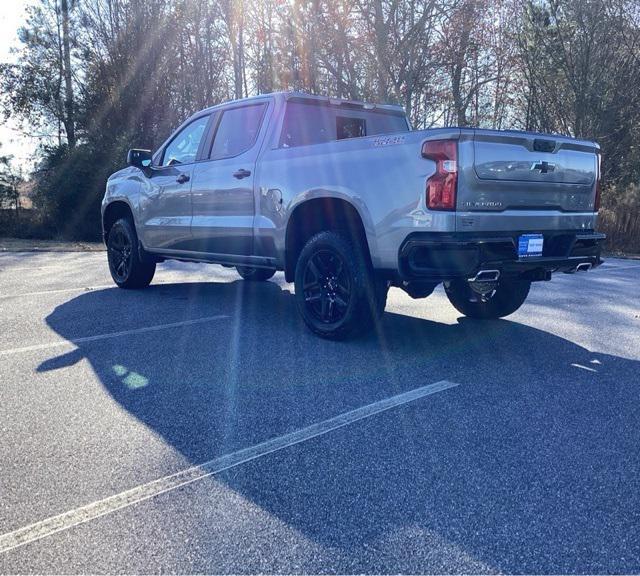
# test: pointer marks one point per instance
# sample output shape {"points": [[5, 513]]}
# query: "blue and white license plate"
{"points": [[530, 245]]}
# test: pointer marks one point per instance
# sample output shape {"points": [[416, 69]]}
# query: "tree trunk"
{"points": [[381, 35], [69, 116]]}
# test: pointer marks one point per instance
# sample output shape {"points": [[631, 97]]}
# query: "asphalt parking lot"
{"points": [[196, 426]]}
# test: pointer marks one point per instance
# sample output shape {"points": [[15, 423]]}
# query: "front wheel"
{"points": [[127, 269], [255, 274], [336, 291], [505, 299]]}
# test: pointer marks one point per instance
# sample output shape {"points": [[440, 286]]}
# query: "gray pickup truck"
{"points": [[348, 201]]}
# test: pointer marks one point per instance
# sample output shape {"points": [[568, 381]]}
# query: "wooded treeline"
{"points": [[95, 77]]}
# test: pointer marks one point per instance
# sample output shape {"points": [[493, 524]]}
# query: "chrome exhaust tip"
{"points": [[584, 267], [486, 276]]}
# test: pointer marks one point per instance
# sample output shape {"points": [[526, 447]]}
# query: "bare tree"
{"points": [[69, 113]]}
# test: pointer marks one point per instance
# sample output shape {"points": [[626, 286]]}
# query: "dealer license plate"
{"points": [[530, 245]]}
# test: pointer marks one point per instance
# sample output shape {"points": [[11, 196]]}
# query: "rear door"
{"points": [[222, 191], [523, 171]]}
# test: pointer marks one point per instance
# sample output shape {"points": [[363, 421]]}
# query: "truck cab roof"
{"points": [[295, 95]]}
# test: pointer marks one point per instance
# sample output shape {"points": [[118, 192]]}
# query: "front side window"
{"points": [[184, 147], [237, 131]]}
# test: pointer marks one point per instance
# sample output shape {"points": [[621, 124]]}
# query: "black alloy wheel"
{"points": [[336, 290], [327, 287], [507, 296], [255, 274], [120, 249], [129, 265]]}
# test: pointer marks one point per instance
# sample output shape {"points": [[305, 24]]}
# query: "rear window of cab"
{"points": [[311, 123]]}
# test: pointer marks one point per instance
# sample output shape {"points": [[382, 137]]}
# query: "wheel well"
{"points": [[112, 213], [315, 216]]}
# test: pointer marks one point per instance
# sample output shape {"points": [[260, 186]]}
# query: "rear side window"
{"points": [[237, 131], [304, 124], [314, 124]]}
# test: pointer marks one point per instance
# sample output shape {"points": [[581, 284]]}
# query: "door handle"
{"points": [[242, 173], [182, 179]]}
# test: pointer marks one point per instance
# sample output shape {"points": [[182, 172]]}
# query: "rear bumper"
{"points": [[441, 256]]}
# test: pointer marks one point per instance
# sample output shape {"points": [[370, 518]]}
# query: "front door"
{"points": [[222, 189], [165, 203]]}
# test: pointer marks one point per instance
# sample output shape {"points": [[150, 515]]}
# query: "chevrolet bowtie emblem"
{"points": [[543, 167]]}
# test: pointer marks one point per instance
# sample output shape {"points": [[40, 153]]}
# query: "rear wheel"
{"points": [[336, 291], [255, 274], [127, 268], [505, 299]]}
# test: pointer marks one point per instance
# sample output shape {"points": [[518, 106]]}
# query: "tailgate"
{"points": [[520, 170]]}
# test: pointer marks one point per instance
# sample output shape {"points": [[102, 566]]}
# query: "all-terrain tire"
{"points": [[255, 274], [336, 291], [508, 296], [128, 267]]}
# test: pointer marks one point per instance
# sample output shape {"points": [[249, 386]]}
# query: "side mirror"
{"points": [[139, 158]]}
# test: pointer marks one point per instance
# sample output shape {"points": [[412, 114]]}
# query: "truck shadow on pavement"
{"points": [[530, 465]]}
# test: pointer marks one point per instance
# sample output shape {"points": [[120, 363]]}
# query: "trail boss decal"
{"points": [[388, 140]]}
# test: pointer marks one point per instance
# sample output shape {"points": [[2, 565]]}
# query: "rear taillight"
{"points": [[441, 187], [596, 202]]}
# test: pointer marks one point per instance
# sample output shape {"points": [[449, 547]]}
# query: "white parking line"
{"points": [[166, 280], [110, 335], [615, 267], [135, 495], [9, 267], [57, 291]]}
